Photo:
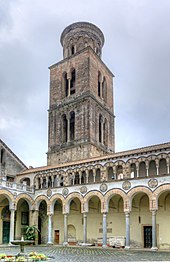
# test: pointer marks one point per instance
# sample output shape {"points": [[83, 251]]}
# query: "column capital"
{"points": [[50, 214], [127, 213], [153, 211]]}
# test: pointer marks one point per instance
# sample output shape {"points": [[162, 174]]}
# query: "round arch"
{"points": [[137, 190], [70, 198], [39, 199], [27, 198], [9, 196], [112, 193], [54, 198]]}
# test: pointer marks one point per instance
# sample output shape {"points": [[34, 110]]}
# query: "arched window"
{"points": [[72, 50], [152, 168], [110, 173], [99, 84], [142, 169], [77, 179], [104, 90], [64, 129], [65, 83], [72, 126], [83, 177], [162, 166], [100, 129], [72, 82], [105, 132], [133, 171], [119, 172], [98, 172]]}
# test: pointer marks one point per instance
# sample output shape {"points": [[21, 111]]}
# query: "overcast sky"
{"points": [[137, 51]]}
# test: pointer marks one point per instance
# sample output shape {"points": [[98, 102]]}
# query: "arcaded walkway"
{"points": [[90, 254]]}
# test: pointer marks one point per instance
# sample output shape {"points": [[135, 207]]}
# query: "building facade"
{"points": [[87, 193]]}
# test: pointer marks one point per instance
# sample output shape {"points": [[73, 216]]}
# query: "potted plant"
{"points": [[31, 232]]}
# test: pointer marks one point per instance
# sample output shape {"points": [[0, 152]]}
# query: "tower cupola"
{"points": [[78, 36]]}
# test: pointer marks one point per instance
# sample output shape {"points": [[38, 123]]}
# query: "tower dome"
{"points": [[78, 36]]}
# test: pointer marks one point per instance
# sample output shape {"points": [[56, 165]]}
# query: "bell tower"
{"points": [[81, 116]]}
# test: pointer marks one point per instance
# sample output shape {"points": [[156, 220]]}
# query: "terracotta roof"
{"points": [[93, 159]]}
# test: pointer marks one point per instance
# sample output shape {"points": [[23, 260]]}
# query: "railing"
{"points": [[16, 186]]}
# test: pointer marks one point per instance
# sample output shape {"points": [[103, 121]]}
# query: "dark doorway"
{"points": [[57, 236], [147, 236], [6, 230]]}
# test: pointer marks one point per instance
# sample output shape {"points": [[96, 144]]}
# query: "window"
{"points": [[72, 50], [100, 128], [24, 218], [72, 125], [72, 82], [65, 83], [64, 129]]}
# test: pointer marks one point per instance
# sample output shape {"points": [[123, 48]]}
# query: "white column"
{"points": [[104, 230], [157, 170], [127, 217], [65, 230], [12, 224], [147, 171], [168, 169], [49, 229], [84, 228], [154, 242]]}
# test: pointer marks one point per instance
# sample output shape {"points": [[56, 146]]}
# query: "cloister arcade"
{"points": [[154, 165], [70, 219]]}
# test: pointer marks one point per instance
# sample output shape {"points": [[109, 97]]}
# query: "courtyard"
{"points": [[90, 254]]}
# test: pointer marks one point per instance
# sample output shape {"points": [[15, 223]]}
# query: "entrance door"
{"points": [[6, 230], [147, 236], [57, 236]]}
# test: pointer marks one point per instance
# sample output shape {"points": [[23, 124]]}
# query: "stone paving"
{"points": [[90, 254]]}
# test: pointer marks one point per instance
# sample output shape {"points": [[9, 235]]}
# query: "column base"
{"points": [[127, 247], [154, 248], [49, 243], [65, 244], [104, 246]]}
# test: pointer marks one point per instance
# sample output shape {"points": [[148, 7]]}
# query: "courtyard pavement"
{"points": [[90, 254]]}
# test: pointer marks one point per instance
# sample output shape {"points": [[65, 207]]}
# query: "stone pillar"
{"points": [[127, 217], [147, 171], [49, 229], [104, 230], [69, 83], [12, 224], [84, 228], [68, 128], [35, 214], [46, 181], [65, 230], [167, 168], [157, 170], [80, 176], [154, 241], [94, 175]]}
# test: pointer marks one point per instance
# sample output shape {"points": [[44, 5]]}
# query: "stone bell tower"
{"points": [[81, 117]]}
